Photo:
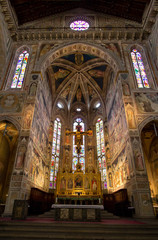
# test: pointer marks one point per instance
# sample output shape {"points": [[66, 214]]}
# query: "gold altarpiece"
{"points": [[79, 183]]}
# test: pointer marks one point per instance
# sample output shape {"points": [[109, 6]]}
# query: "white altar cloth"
{"points": [[77, 206]]}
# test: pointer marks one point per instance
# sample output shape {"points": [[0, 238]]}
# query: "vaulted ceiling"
{"points": [[79, 77], [27, 10]]}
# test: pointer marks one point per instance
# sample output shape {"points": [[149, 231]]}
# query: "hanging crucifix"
{"points": [[79, 138]]}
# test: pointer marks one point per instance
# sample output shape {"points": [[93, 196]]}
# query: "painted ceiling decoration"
{"points": [[79, 96], [91, 92], [27, 11], [60, 73], [97, 74], [65, 93], [78, 78], [79, 58]]}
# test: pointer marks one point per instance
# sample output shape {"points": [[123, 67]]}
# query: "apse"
{"points": [[8, 147]]}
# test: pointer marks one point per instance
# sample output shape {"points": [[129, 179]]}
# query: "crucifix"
{"points": [[79, 138]]}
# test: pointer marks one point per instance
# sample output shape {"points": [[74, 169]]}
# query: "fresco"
{"points": [[32, 90], [45, 49], [120, 169], [117, 125], [10, 102], [126, 89], [110, 93], [65, 93], [41, 120], [138, 158], [38, 147], [20, 157], [114, 47], [60, 73], [130, 115], [146, 102], [79, 96], [27, 116], [97, 74], [91, 92], [79, 58], [38, 170]]}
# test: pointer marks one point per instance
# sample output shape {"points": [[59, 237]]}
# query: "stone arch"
{"points": [[9, 136], [145, 122], [70, 48], [12, 120], [149, 139], [78, 116], [57, 110], [96, 118]]}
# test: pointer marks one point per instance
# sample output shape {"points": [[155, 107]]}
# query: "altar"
{"points": [[67, 212]]}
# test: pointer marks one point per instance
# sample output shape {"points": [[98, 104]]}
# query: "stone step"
{"points": [[71, 231], [47, 215], [108, 215], [48, 230], [78, 235]]}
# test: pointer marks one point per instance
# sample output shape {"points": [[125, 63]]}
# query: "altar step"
{"points": [[79, 231], [104, 215], [49, 214]]}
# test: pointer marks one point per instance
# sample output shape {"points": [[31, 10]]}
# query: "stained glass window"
{"points": [[139, 69], [101, 151], [55, 153], [82, 154], [79, 25], [20, 70]]}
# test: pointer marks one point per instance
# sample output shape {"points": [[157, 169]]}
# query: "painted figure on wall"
{"points": [[32, 91], [137, 155], [147, 102], [126, 89], [131, 118], [110, 180], [27, 117], [20, 157]]}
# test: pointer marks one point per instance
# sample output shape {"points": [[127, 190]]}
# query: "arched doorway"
{"points": [[8, 145], [149, 137]]}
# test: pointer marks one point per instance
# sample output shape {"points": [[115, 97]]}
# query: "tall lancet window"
{"points": [[20, 70], [55, 153], [101, 151], [139, 69], [82, 154]]}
